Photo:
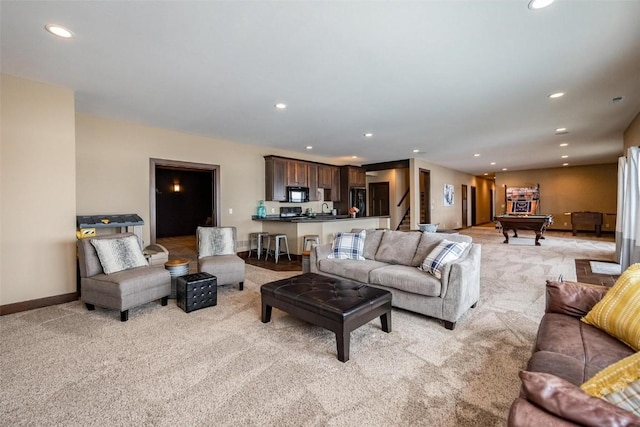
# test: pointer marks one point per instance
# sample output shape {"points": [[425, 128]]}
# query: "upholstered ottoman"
{"points": [[339, 305], [196, 291]]}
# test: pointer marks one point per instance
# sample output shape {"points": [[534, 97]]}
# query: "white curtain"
{"points": [[628, 219]]}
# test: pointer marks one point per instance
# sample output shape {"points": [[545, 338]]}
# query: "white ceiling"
{"points": [[450, 78]]}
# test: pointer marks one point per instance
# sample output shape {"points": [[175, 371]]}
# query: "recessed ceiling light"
{"points": [[556, 95], [476, 155], [539, 4], [309, 147], [564, 144], [486, 173], [368, 135], [616, 99], [561, 130], [565, 164], [416, 151], [493, 163], [504, 169], [565, 157], [354, 157], [281, 106], [59, 31]]}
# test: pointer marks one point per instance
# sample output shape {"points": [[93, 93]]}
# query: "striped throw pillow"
{"points": [[618, 384], [443, 254], [618, 312], [348, 246]]}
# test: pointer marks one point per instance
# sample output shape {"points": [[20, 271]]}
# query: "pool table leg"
{"points": [[506, 236], [538, 237]]}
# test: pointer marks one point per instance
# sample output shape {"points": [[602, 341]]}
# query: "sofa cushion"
{"points": [[349, 269], [567, 401], [119, 254], [617, 312], [428, 241], [398, 247], [593, 348], [348, 246], [618, 384], [406, 278], [371, 243], [444, 253]]}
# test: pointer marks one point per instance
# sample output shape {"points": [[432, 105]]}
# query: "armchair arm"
{"points": [[572, 298]]}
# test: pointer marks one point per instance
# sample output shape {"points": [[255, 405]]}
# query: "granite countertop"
{"points": [[317, 218]]}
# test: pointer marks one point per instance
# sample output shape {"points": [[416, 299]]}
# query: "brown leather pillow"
{"points": [[569, 402], [573, 298]]}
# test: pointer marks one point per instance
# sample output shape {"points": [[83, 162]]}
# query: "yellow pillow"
{"points": [[618, 384], [618, 312]]}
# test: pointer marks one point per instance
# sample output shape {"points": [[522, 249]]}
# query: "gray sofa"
{"points": [[391, 262]]}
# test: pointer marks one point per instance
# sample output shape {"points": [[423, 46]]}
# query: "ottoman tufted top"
{"points": [[330, 297]]}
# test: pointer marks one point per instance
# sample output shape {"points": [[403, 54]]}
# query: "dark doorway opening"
{"points": [[425, 197], [465, 208], [379, 198], [473, 207], [183, 196]]}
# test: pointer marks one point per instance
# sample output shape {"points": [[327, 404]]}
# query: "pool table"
{"points": [[537, 223]]}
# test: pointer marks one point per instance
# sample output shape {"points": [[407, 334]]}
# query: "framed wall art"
{"points": [[448, 194]]}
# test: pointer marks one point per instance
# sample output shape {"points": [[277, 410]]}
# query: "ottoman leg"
{"points": [[124, 316], [266, 313], [343, 339], [164, 300], [385, 319]]}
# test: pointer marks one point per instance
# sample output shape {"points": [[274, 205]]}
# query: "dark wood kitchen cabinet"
{"points": [[312, 180], [275, 179], [297, 173], [357, 177]]}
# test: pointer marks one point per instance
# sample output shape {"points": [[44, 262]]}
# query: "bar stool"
{"points": [[277, 252], [258, 239], [310, 238]]}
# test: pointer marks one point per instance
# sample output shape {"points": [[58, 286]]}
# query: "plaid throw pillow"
{"points": [[441, 255], [348, 246]]}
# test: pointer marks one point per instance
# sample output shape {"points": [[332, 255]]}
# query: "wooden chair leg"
{"points": [[90, 307], [124, 316], [164, 300], [449, 325], [241, 285]]}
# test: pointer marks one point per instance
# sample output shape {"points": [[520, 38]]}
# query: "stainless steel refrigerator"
{"points": [[358, 199]]}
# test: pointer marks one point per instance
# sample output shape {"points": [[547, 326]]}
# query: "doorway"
{"points": [[378, 199], [465, 209], [182, 196], [425, 196], [473, 206]]}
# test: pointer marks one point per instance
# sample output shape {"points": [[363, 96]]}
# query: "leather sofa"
{"points": [[569, 349], [391, 261]]}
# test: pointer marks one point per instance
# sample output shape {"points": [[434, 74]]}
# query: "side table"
{"points": [[177, 268]]}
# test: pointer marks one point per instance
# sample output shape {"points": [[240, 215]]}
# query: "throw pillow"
{"points": [[618, 384], [348, 246], [215, 241], [568, 402], [443, 254], [573, 298], [618, 313], [119, 254]]}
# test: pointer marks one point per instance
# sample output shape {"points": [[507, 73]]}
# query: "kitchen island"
{"points": [[324, 226]]}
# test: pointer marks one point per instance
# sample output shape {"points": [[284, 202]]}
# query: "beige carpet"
{"points": [[63, 365]]}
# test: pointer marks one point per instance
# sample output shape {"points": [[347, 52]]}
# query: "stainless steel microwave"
{"points": [[297, 194]]}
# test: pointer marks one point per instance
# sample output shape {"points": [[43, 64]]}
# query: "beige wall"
{"points": [[37, 198], [567, 189], [446, 216], [631, 135], [113, 170]]}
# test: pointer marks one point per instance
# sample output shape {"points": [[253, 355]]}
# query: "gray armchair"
{"points": [[217, 255], [124, 289]]}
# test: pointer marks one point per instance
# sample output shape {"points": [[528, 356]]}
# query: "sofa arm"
{"points": [[572, 298], [318, 252], [461, 285]]}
